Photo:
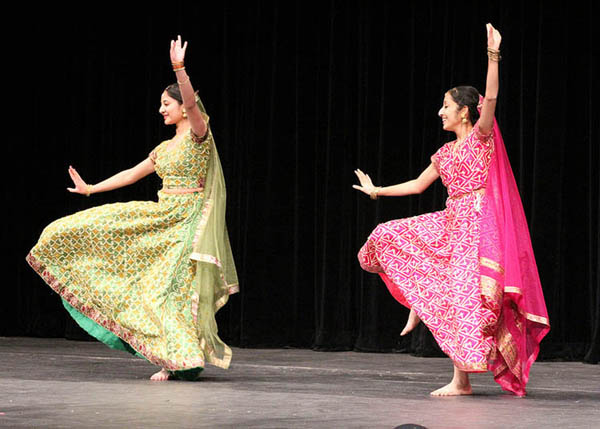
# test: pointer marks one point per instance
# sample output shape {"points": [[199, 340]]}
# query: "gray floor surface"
{"points": [[55, 383]]}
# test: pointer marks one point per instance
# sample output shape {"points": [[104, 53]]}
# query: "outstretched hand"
{"points": [[493, 37], [80, 185], [178, 50], [366, 185]]}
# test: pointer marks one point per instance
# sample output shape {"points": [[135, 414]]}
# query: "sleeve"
{"points": [[483, 138], [482, 144], [201, 139], [435, 159], [152, 155]]}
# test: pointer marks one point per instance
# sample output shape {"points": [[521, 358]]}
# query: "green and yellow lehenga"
{"points": [[148, 277]]}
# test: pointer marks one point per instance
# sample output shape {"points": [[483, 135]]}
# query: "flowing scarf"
{"points": [[505, 238], [215, 277]]}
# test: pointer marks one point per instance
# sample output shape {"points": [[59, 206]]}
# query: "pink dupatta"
{"points": [[506, 244]]}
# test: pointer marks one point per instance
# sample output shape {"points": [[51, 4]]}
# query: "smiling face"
{"points": [[170, 109], [451, 114]]}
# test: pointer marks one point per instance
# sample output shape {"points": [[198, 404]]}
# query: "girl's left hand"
{"points": [[178, 50], [493, 37]]}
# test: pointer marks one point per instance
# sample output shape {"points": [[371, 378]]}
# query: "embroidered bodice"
{"points": [[464, 168], [185, 165]]}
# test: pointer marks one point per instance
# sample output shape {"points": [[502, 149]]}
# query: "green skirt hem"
{"points": [[114, 342]]}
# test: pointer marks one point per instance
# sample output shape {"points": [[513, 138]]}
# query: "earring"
{"points": [[184, 114], [464, 118]]}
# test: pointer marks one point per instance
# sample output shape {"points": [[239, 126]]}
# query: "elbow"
{"points": [[485, 130], [417, 188], [189, 105]]}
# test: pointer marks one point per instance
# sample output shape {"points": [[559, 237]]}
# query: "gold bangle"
{"points": [[88, 189], [375, 193], [184, 81], [176, 69], [494, 54], [177, 64]]}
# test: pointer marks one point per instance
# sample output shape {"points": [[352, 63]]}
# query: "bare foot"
{"points": [[460, 385], [162, 375], [413, 321], [453, 389]]}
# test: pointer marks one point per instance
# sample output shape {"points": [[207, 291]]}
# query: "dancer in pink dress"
{"points": [[468, 272]]}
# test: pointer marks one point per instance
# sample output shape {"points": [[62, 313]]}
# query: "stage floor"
{"points": [[51, 383]]}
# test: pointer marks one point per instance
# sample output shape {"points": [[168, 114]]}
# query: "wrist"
{"points": [[89, 190], [178, 66], [375, 192], [493, 54]]}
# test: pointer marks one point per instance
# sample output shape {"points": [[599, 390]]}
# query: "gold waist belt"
{"points": [[181, 190], [479, 191]]}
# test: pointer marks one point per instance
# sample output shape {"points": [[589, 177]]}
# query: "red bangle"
{"points": [[178, 66]]}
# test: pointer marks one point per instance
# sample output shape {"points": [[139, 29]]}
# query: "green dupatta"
{"points": [[216, 277]]}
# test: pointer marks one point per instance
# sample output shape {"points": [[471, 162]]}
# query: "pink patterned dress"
{"points": [[434, 263]]}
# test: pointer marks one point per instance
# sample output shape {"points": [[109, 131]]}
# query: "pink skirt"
{"points": [[433, 264]]}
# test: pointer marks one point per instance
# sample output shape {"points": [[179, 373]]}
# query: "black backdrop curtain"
{"points": [[299, 96]]}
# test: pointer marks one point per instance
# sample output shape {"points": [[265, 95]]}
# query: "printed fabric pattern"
{"points": [[127, 266]]}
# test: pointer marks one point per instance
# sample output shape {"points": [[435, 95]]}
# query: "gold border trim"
{"points": [[493, 265], [204, 214], [231, 289], [513, 289], [471, 367], [123, 333], [528, 316], [537, 319], [210, 259], [491, 288], [212, 357], [508, 349], [203, 257], [501, 367]]}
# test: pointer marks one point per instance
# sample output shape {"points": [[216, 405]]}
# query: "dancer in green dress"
{"points": [[148, 277]]}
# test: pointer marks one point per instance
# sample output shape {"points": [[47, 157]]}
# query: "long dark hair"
{"points": [[466, 96]]}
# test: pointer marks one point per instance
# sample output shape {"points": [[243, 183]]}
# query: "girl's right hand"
{"points": [[80, 186], [366, 185]]}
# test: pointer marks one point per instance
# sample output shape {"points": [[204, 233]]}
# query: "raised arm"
{"points": [[124, 178], [197, 122], [415, 186], [486, 119]]}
